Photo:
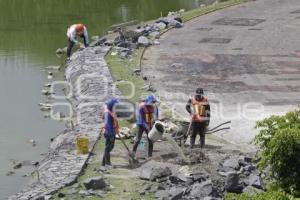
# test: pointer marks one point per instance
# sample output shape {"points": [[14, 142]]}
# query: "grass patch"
{"points": [[122, 73], [186, 16], [125, 185]]}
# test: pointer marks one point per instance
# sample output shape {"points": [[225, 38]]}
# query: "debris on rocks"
{"points": [[53, 67]]}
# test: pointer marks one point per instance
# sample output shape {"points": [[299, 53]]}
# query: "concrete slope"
{"points": [[246, 57]]}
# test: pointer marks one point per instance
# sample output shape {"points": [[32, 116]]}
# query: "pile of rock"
{"points": [[143, 36], [234, 175], [241, 175], [95, 186], [167, 185]]}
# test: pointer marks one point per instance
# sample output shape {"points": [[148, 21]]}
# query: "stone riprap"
{"points": [[90, 85]]}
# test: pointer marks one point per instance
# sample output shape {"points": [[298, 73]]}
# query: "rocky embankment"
{"points": [[85, 73], [90, 84]]}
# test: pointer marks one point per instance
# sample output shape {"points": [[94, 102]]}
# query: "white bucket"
{"points": [[156, 132]]}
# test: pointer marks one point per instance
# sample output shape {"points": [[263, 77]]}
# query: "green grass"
{"points": [[125, 185], [122, 70]]}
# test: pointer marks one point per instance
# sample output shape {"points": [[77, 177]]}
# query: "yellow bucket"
{"points": [[82, 144]]}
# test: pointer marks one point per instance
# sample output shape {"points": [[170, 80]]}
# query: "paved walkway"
{"points": [[246, 57]]}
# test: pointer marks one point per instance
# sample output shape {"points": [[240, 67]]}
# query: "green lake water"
{"points": [[30, 33]]}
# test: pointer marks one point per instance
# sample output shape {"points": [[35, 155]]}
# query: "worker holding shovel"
{"points": [[199, 109], [147, 115], [111, 128]]}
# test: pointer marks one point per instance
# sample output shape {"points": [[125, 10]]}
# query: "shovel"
{"points": [[131, 159]]}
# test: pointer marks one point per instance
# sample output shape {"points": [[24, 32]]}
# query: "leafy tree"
{"points": [[279, 148]]}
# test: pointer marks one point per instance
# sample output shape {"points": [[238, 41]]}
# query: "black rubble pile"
{"points": [[241, 175], [233, 175], [166, 185]]}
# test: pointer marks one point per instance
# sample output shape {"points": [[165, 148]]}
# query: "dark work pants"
{"points": [[109, 145], [198, 128], [71, 45], [141, 130]]}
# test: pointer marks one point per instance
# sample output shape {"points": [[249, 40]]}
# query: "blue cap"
{"points": [[111, 102], [150, 99]]}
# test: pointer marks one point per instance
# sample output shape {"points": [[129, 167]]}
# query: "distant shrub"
{"points": [[279, 147]]}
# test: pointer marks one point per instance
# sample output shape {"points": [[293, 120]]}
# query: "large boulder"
{"points": [[154, 173], [201, 190], [252, 190], [143, 41], [231, 163], [95, 183], [256, 181], [176, 193], [161, 194], [232, 183]]}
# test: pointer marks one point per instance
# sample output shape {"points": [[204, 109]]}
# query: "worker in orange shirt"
{"points": [[74, 31]]}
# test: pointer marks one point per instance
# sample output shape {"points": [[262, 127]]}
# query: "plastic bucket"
{"points": [[82, 144], [156, 132]]}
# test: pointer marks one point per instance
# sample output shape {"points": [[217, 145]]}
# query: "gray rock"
{"points": [[95, 183], [161, 194], [249, 168], [256, 181], [160, 172], [231, 163], [154, 34], [201, 190], [232, 183], [252, 190], [176, 193], [154, 173], [199, 176], [160, 25], [143, 41], [145, 173]]}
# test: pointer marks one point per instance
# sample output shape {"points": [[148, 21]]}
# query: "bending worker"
{"points": [[199, 109], [147, 115], [111, 128], [74, 31]]}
